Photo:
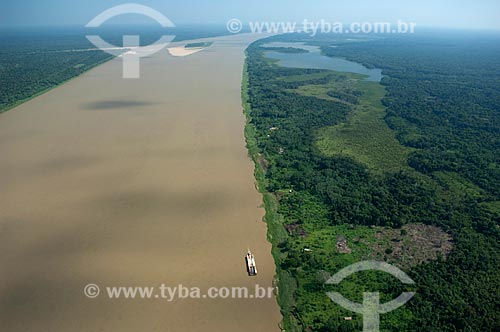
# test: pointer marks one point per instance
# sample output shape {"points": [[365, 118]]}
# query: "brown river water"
{"points": [[133, 183]]}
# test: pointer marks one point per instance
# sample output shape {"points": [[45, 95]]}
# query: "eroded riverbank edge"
{"points": [[276, 233]]}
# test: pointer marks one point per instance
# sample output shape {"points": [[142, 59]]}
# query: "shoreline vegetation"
{"points": [[34, 62], [279, 233], [276, 233], [198, 45], [56, 85], [362, 241], [348, 172]]}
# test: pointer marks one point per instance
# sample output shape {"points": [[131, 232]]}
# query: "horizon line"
{"points": [[222, 24]]}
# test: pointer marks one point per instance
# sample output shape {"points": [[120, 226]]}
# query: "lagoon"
{"points": [[314, 59]]}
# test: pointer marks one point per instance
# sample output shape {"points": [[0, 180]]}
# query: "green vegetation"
{"points": [[198, 45], [276, 233], [364, 136], [292, 50], [354, 170], [31, 65], [33, 61]]}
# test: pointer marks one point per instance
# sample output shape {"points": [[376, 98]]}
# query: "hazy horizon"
{"points": [[458, 14]]}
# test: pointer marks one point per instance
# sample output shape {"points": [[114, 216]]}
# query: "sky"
{"points": [[469, 14]]}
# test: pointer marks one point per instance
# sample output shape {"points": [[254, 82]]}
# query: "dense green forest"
{"points": [[35, 60], [405, 171], [31, 64]]}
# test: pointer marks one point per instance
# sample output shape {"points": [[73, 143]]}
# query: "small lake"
{"points": [[314, 59]]}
